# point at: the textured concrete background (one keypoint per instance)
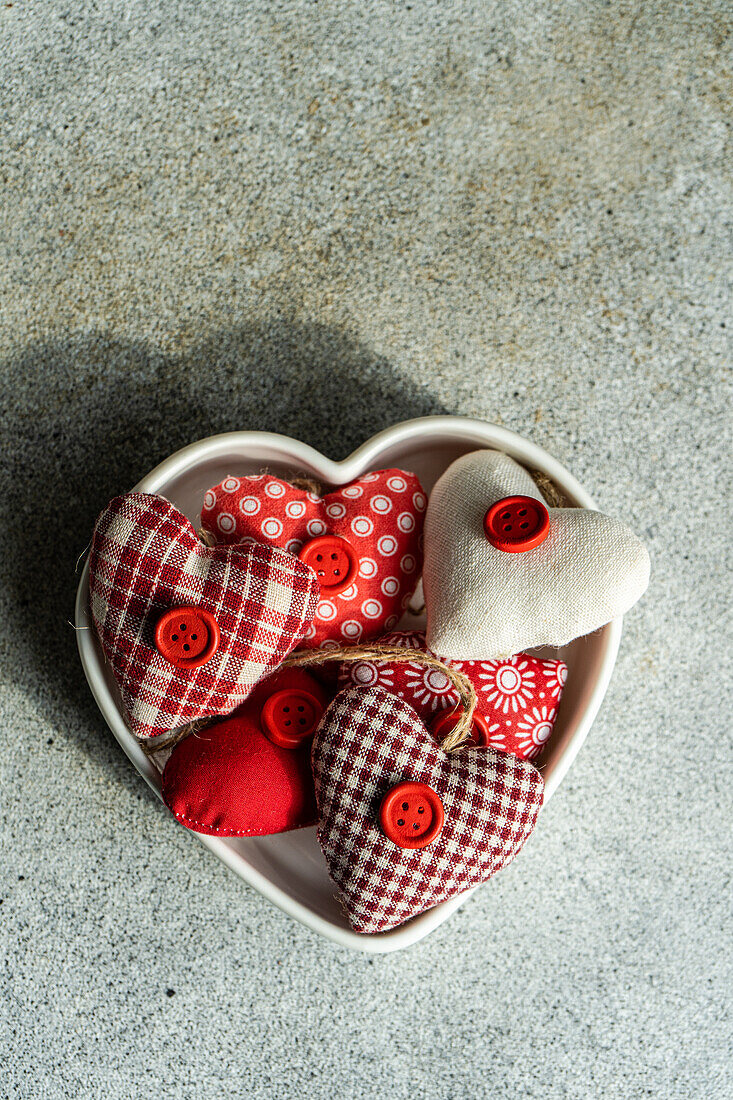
(323, 218)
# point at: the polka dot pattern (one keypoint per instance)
(381, 516)
(517, 696)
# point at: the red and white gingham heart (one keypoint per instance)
(147, 559)
(518, 697)
(368, 742)
(381, 516)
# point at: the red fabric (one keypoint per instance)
(381, 514)
(517, 696)
(230, 780)
(145, 559)
(368, 742)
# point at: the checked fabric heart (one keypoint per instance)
(504, 573)
(238, 777)
(363, 541)
(472, 810)
(518, 697)
(189, 630)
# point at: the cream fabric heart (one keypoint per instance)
(484, 603)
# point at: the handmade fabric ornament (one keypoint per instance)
(250, 774)
(363, 542)
(403, 825)
(189, 630)
(517, 696)
(504, 573)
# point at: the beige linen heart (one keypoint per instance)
(483, 602)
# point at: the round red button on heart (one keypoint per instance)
(188, 637)
(517, 524)
(447, 720)
(333, 560)
(289, 717)
(411, 815)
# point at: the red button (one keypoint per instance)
(516, 524)
(411, 815)
(333, 560)
(188, 637)
(290, 717)
(447, 720)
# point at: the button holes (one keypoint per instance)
(415, 825)
(400, 821)
(301, 709)
(287, 710)
(303, 721)
(174, 637)
(186, 647)
(321, 573)
(287, 722)
(405, 806)
(524, 525)
(523, 512)
(319, 557)
(337, 572)
(506, 515)
(421, 809)
(334, 557)
(194, 637)
(507, 526)
(183, 626)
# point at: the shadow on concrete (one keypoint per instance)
(86, 419)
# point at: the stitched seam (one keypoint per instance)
(243, 832)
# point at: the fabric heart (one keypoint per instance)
(560, 572)
(368, 743)
(363, 541)
(232, 779)
(244, 608)
(518, 697)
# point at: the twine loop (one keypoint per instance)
(304, 658)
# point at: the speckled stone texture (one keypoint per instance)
(322, 218)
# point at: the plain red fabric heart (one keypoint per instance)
(363, 541)
(242, 609)
(230, 779)
(518, 697)
(370, 742)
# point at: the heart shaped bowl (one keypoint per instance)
(289, 869)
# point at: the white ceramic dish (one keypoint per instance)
(289, 869)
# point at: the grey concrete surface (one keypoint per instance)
(323, 218)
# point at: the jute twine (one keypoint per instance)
(553, 494)
(307, 658)
(152, 745)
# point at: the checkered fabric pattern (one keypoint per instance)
(145, 559)
(369, 741)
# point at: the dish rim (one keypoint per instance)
(335, 472)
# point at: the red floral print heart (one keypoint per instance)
(478, 807)
(518, 697)
(252, 602)
(368, 535)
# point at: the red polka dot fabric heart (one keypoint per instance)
(471, 810)
(518, 697)
(242, 608)
(363, 542)
(232, 779)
